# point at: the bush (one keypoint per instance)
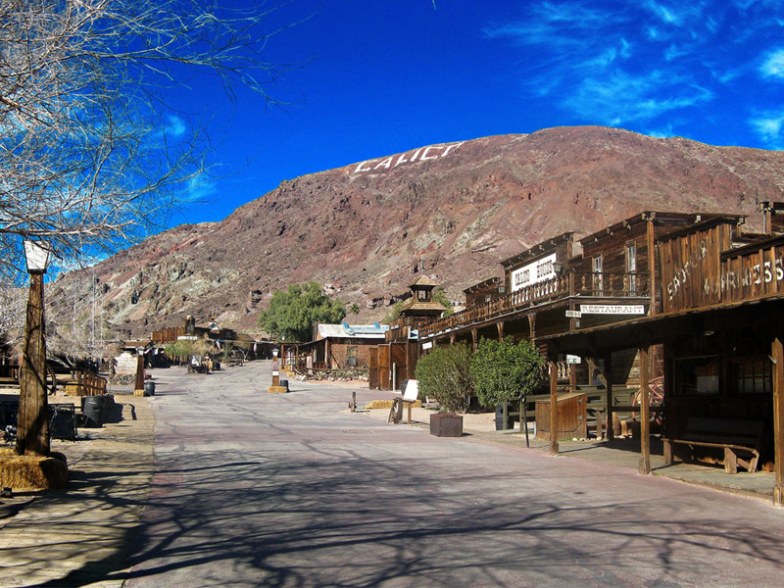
(444, 376)
(503, 371)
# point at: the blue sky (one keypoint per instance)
(368, 78)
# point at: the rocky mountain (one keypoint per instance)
(451, 211)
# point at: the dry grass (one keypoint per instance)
(32, 472)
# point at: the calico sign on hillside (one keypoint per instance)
(428, 153)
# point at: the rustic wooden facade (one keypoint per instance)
(711, 322)
(342, 346)
(484, 292)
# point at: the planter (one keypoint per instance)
(446, 425)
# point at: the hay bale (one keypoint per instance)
(378, 404)
(32, 472)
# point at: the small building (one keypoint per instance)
(339, 346)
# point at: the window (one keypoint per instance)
(751, 375)
(351, 357)
(598, 278)
(631, 265)
(696, 375)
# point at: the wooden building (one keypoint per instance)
(560, 285)
(394, 361)
(338, 346)
(484, 292)
(693, 297)
(720, 323)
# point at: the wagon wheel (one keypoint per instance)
(51, 381)
(396, 412)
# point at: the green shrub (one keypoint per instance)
(503, 370)
(444, 376)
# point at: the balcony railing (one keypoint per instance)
(599, 285)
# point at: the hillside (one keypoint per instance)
(451, 211)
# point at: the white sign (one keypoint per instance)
(533, 273)
(612, 309)
(428, 345)
(573, 359)
(573, 314)
(421, 154)
(411, 393)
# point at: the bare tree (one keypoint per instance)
(86, 160)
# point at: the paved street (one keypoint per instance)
(259, 489)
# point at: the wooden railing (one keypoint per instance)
(597, 285)
(86, 384)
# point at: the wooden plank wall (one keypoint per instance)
(752, 274)
(691, 268)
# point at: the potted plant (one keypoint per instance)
(444, 376)
(503, 371)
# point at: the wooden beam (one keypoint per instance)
(500, 326)
(651, 245)
(645, 420)
(778, 421)
(609, 394)
(474, 339)
(554, 407)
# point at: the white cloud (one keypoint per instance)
(200, 187)
(769, 126)
(624, 98)
(664, 13)
(174, 127)
(773, 66)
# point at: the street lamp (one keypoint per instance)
(33, 420)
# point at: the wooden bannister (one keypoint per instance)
(604, 285)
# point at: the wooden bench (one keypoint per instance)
(741, 441)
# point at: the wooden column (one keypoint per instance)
(138, 389)
(33, 419)
(553, 407)
(609, 392)
(645, 421)
(500, 326)
(778, 421)
(532, 326)
(651, 245)
(474, 339)
(327, 355)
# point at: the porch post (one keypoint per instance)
(553, 407)
(609, 393)
(474, 339)
(500, 326)
(778, 421)
(645, 421)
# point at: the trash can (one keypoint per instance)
(149, 388)
(499, 418)
(285, 384)
(93, 411)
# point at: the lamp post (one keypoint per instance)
(33, 420)
(138, 389)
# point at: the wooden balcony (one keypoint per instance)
(596, 286)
